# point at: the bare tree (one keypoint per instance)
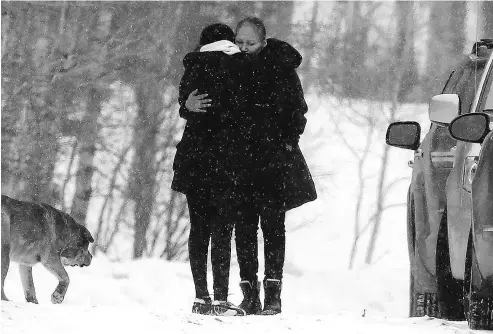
(487, 19)
(31, 105)
(446, 26)
(89, 128)
(149, 101)
(410, 78)
(278, 16)
(402, 52)
(361, 158)
(310, 48)
(458, 26)
(240, 9)
(87, 150)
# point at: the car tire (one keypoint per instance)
(480, 309)
(412, 297)
(420, 304)
(467, 277)
(450, 289)
(426, 304)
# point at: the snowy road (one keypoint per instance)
(154, 296)
(21, 318)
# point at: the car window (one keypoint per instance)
(464, 82)
(441, 141)
(487, 106)
(467, 88)
(450, 84)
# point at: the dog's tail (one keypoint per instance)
(5, 231)
(5, 241)
(6, 200)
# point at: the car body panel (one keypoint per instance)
(459, 203)
(439, 168)
(482, 194)
(458, 187)
(431, 168)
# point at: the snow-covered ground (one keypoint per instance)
(152, 296)
(320, 294)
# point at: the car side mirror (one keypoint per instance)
(444, 108)
(471, 128)
(404, 135)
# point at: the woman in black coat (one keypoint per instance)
(266, 163)
(217, 69)
(281, 178)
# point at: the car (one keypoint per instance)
(439, 200)
(475, 128)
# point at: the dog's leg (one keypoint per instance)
(26, 273)
(5, 236)
(55, 267)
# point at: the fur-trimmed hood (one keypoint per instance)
(279, 55)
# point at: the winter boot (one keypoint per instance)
(251, 297)
(225, 308)
(202, 306)
(272, 293)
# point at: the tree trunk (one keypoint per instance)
(487, 19)
(150, 104)
(354, 80)
(402, 62)
(458, 26)
(40, 140)
(87, 150)
(446, 34)
(240, 10)
(361, 190)
(308, 77)
(191, 23)
(278, 17)
(410, 77)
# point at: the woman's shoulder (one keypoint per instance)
(279, 55)
(197, 58)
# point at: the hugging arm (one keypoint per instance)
(185, 89)
(188, 97)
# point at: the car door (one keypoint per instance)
(433, 162)
(482, 190)
(458, 188)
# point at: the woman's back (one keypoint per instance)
(223, 77)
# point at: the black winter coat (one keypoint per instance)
(281, 179)
(222, 77)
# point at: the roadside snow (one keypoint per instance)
(153, 296)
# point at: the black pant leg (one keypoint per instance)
(222, 231)
(247, 242)
(201, 216)
(274, 232)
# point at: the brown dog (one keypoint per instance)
(37, 232)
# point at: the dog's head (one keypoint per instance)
(76, 251)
